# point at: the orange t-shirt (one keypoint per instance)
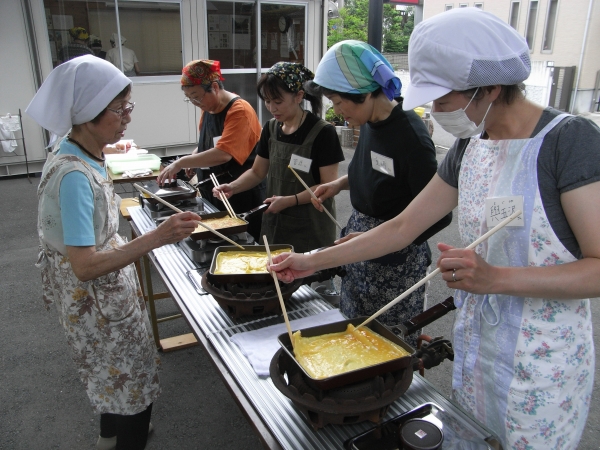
(241, 131)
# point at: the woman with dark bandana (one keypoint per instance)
(290, 217)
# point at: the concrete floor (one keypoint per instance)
(43, 404)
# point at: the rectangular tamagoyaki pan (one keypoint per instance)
(170, 192)
(354, 376)
(227, 231)
(243, 277)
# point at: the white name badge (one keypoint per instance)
(300, 163)
(215, 140)
(382, 164)
(499, 208)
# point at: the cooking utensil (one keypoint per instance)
(276, 281)
(354, 376)
(164, 202)
(436, 271)
(197, 235)
(408, 363)
(242, 277)
(180, 191)
(314, 196)
(223, 197)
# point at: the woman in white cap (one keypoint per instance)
(87, 268)
(394, 160)
(524, 348)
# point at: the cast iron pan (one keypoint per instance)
(173, 192)
(242, 277)
(204, 234)
(403, 363)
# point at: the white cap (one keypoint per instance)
(75, 92)
(115, 37)
(462, 49)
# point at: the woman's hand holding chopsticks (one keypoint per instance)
(464, 269)
(177, 227)
(291, 266)
(327, 190)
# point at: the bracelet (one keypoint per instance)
(296, 195)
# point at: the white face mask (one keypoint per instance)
(458, 123)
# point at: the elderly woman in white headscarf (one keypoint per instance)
(87, 268)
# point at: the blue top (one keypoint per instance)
(77, 200)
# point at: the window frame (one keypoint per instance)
(534, 22)
(463, 5)
(510, 14)
(448, 6)
(478, 5)
(544, 36)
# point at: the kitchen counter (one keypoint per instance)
(279, 424)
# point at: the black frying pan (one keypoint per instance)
(403, 363)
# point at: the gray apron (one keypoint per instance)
(301, 226)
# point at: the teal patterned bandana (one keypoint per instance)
(354, 67)
(294, 75)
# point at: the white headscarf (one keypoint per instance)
(74, 93)
(115, 38)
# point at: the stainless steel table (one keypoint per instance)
(279, 424)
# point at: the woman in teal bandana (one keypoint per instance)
(290, 218)
(394, 160)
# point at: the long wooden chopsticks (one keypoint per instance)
(436, 271)
(174, 208)
(314, 196)
(223, 197)
(285, 316)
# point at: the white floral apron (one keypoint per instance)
(523, 366)
(105, 319)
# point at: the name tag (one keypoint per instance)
(382, 164)
(300, 163)
(215, 140)
(499, 208)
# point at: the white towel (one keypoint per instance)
(8, 125)
(259, 346)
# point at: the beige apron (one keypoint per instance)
(105, 320)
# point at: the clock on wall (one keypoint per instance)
(284, 23)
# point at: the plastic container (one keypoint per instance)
(119, 163)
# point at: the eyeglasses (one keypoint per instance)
(195, 101)
(123, 111)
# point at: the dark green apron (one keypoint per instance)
(301, 226)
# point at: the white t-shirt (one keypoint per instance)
(129, 58)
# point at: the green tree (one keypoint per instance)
(353, 21)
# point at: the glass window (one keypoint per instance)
(448, 7)
(514, 15)
(150, 34)
(531, 20)
(282, 33)
(478, 5)
(232, 34)
(463, 5)
(550, 26)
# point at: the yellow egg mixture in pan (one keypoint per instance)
(335, 353)
(229, 263)
(220, 222)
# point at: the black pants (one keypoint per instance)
(131, 431)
